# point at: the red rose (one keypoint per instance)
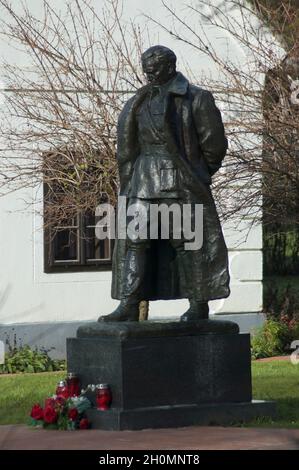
(60, 401)
(84, 423)
(49, 402)
(73, 414)
(50, 415)
(37, 412)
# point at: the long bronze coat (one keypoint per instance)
(195, 137)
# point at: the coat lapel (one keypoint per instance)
(178, 127)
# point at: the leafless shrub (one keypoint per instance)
(260, 100)
(59, 124)
(60, 115)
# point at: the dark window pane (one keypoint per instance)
(70, 222)
(96, 249)
(65, 245)
(89, 217)
(91, 220)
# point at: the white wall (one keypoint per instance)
(28, 295)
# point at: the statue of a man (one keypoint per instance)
(170, 142)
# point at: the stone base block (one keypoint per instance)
(167, 375)
(180, 416)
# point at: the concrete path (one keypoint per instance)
(191, 438)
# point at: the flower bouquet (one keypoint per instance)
(61, 413)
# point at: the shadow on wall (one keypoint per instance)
(51, 337)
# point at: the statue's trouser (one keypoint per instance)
(135, 270)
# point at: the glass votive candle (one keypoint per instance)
(73, 384)
(62, 389)
(103, 397)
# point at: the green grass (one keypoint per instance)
(277, 380)
(18, 392)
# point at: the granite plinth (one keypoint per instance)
(156, 329)
(166, 375)
(180, 416)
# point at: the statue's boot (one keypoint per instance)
(197, 311)
(124, 312)
(128, 309)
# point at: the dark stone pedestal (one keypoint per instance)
(190, 375)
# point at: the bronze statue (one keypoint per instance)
(170, 142)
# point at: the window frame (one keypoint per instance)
(78, 265)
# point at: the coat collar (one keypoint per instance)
(178, 86)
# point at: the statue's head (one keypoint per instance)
(159, 64)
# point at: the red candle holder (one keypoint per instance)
(103, 397)
(62, 389)
(73, 385)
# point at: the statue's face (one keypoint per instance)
(157, 70)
